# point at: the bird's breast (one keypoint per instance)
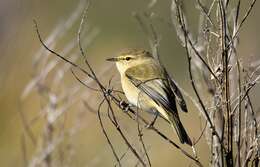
(131, 92)
(138, 98)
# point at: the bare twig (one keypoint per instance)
(106, 135)
(140, 134)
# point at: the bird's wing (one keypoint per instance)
(150, 80)
(178, 96)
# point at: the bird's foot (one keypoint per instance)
(124, 106)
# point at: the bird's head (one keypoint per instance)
(130, 58)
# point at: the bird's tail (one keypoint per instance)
(181, 132)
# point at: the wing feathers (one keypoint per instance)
(179, 98)
(156, 92)
(162, 86)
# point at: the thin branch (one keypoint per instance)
(140, 134)
(185, 35)
(183, 27)
(242, 22)
(58, 55)
(106, 135)
(201, 134)
(115, 123)
(150, 33)
(239, 111)
(205, 12)
(84, 16)
(77, 78)
(123, 156)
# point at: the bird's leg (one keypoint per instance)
(153, 121)
(124, 106)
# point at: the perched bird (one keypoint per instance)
(148, 86)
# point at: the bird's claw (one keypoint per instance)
(124, 106)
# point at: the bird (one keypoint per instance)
(148, 86)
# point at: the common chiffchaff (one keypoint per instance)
(148, 86)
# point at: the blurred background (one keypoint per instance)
(111, 27)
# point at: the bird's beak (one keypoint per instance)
(112, 59)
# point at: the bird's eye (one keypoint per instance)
(127, 58)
